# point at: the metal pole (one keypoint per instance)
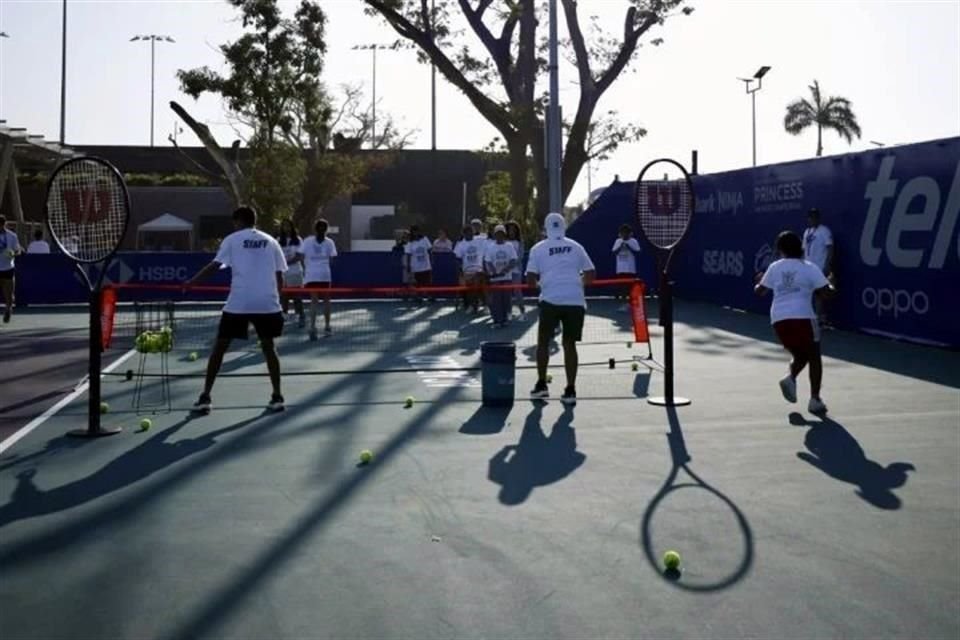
(373, 137)
(433, 88)
(63, 75)
(753, 96)
(153, 46)
(553, 118)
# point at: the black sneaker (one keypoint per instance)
(6, 316)
(569, 396)
(540, 391)
(203, 404)
(276, 403)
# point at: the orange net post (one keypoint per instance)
(108, 309)
(638, 312)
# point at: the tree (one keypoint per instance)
(832, 113)
(501, 83)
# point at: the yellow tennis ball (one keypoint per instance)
(671, 560)
(549, 378)
(409, 401)
(366, 456)
(104, 407)
(145, 424)
(192, 356)
(634, 367)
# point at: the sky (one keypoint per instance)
(897, 61)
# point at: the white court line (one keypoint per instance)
(70, 397)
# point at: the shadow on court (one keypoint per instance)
(833, 450)
(537, 459)
(486, 421)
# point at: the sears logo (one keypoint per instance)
(727, 263)
(763, 258)
(163, 274)
(895, 302)
(915, 212)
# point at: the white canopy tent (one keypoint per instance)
(166, 225)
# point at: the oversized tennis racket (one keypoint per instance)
(664, 201)
(699, 516)
(87, 211)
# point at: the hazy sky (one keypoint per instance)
(899, 63)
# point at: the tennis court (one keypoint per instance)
(532, 521)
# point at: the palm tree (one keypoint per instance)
(833, 113)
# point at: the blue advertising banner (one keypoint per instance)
(893, 214)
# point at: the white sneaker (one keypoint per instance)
(816, 406)
(788, 387)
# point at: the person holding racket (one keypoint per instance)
(9, 248)
(561, 268)
(316, 252)
(794, 282)
(257, 267)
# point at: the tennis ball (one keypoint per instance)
(634, 366)
(104, 407)
(671, 560)
(192, 356)
(145, 424)
(549, 378)
(366, 456)
(408, 402)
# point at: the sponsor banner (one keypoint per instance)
(893, 214)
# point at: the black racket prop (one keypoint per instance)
(664, 202)
(87, 213)
(710, 500)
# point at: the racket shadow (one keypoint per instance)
(680, 459)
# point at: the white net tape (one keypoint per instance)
(87, 209)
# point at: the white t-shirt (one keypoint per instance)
(560, 264)
(316, 257)
(8, 242)
(626, 254)
(496, 258)
(38, 246)
(470, 252)
(816, 242)
(254, 259)
(442, 245)
(290, 252)
(518, 248)
(793, 282)
(419, 252)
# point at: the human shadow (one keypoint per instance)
(537, 459)
(833, 450)
(486, 421)
(53, 447)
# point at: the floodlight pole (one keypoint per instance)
(758, 77)
(553, 119)
(63, 74)
(153, 38)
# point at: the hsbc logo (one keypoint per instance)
(916, 210)
(727, 263)
(163, 274)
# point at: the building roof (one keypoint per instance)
(166, 222)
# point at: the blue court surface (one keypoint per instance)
(534, 521)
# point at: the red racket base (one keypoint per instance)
(663, 401)
(94, 433)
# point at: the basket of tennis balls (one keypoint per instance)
(155, 341)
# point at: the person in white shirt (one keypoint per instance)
(9, 249)
(625, 249)
(38, 245)
(256, 266)
(794, 282)
(561, 268)
(317, 252)
(515, 238)
(416, 255)
(469, 253)
(499, 260)
(290, 241)
(477, 225)
(818, 249)
(442, 244)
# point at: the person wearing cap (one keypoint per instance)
(818, 249)
(477, 225)
(499, 259)
(561, 268)
(469, 254)
(9, 249)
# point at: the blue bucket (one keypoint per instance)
(497, 375)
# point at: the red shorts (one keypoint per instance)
(797, 334)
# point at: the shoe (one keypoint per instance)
(313, 335)
(788, 387)
(569, 396)
(276, 403)
(203, 404)
(816, 406)
(327, 332)
(540, 391)
(6, 316)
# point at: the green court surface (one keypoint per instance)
(536, 521)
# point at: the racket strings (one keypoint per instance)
(87, 210)
(664, 209)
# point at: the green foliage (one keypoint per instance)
(275, 177)
(497, 205)
(166, 180)
(834, 113)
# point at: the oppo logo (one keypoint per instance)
(895, 301)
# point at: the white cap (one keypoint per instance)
(476, 221)
(499, 228)
(555, 226)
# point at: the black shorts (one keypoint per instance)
(569, 316)
(317, 285)
(6, 274)
(235, 326)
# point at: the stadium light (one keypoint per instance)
(373, 48)
(758, 77)
(153, 38)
